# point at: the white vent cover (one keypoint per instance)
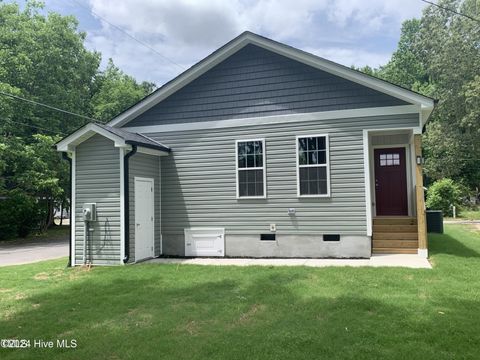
(205, 242)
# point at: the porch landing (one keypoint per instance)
(384, 260)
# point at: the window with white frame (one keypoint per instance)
(250, 168)
(313, 167)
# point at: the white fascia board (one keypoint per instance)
(285, 50)
(148, 151)
(85, 133)
(279, 119)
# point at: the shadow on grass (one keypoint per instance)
(259, 314)
(446, 244)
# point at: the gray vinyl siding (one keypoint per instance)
(97, 176)
(147, 166)
(257, 82)
(199, 183)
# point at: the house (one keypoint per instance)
(258, 150)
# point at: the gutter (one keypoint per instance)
(66, 157)
(127, 202)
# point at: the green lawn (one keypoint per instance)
(200, 312)
(54, 233)
(470, 214)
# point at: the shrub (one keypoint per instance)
(19, 214)
(443, 194)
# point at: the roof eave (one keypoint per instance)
(250, 38)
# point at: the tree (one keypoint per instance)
(116, 91)
(439, 56)
(43, 58)
(448, 45)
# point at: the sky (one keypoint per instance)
(350, 32)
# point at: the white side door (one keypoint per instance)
(205, 242)
(144, 218)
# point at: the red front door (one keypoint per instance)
(390, 182)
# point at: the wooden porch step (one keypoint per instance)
(395, 236)
(394, 220)
(397, 244)
(394, 251)
(395, 228)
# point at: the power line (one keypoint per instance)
(34, 126)
(451, 10)
(46, 106)
(130, 36)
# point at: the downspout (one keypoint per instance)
(66, 157)
(127, 202)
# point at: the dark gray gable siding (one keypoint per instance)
(257, 82)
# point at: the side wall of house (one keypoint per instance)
(97, 180)
(147, 166)
(199, 188)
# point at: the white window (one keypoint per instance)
(250, 164)
(313, 172)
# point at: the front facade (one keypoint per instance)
(259, 150)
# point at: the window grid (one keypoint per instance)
(312, 154)
(250, 168)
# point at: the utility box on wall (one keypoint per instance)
(89, 212)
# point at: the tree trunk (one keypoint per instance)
(61, 212)
(49, 217)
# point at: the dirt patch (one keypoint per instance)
(4, 290)
(250, 313)
(20, 296)
(42, 276)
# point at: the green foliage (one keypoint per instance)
(32, 171)
(19, 213)
(443, 194)
(116, 92)
(43, 58)
(439, 56)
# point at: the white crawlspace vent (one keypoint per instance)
(205, 242)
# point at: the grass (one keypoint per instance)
(54, 233)
(470, 214)
(200, 312)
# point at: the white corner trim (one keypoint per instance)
(159, 197)
(72, 207)
(85, 133)
(290, 52)
(122, 205)
(263, 168)
(327, 165)
(279, 119)
(423, 253)
(368, 193)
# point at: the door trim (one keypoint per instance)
(152, 181)
(408, 169)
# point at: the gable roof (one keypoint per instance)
(120, 137)
(425, 103)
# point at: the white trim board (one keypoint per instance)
(368, 170)
(85, 133)
(280, 119)
(246, 38)
(72, 208)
